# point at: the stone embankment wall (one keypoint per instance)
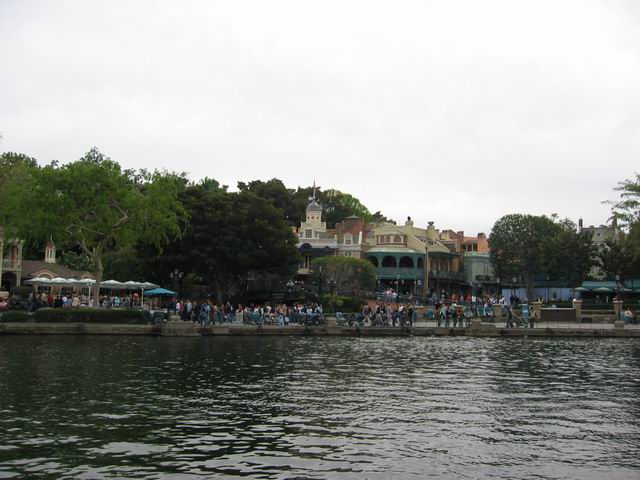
(477, 329)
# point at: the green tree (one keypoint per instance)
(620, 257)
(518, 244)
(348, 273)
(628, 207)
(233, 234)
(336, 205)
(568, 254)
(97, 206)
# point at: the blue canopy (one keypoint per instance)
(159, 292)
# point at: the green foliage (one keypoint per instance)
(229, 236)
(23, 291)
(77, 261)
(567, 255)
(621, 257)
(94, 204)
(526, 245)
(336, 205)
(14, 316)
(628, 207)
(87, 315)
(348, 273)
(341, 303)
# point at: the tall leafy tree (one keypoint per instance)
(348, 273)
(233, 234)
(517, 243)
(627, 208)
(620, 256)
(567, 254)
(96, 205)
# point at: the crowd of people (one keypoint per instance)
(207, 313)
(36, 301)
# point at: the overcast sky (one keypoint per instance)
(453, 111)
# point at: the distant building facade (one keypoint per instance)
(14, 270)
(314, 239)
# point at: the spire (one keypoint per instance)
(312, 198)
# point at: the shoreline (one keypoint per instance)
(180, 329)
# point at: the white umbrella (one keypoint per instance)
(39, 281)
(146, 286)
(131, 285)
(113, 284)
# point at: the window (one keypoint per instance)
(348, 239)
(309, 233)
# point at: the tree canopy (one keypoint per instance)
(620, 256)
(336, 205)
(348, 273)
(524, 246)
(95, 204)
(627, 208)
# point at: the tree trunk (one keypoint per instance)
(528, 285)
(216, 285)
(97, 259)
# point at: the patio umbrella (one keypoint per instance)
(603, 290)
(39, 281)
(111, 284)
(160, 292)
(142, 286)
(581, 289)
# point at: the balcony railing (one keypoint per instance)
(446, 275)
(418, 273)
(403, 273)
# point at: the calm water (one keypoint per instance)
(109, 407)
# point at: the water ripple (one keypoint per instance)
(295, 407)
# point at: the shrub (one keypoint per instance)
(22, 291)
(342, 303)
(88, 315)
(14, 316)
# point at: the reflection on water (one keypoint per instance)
(296, 407)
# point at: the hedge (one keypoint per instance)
(342, 303)
(88, 315)
(13, 316)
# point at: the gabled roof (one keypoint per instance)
(314, 206)
(32, 267)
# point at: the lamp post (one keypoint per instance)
(513, 284)
(398, 286)
(319, 280)
(176, 276)
(618, 288)
(548, 278)
(499, 292)
(332, 286)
